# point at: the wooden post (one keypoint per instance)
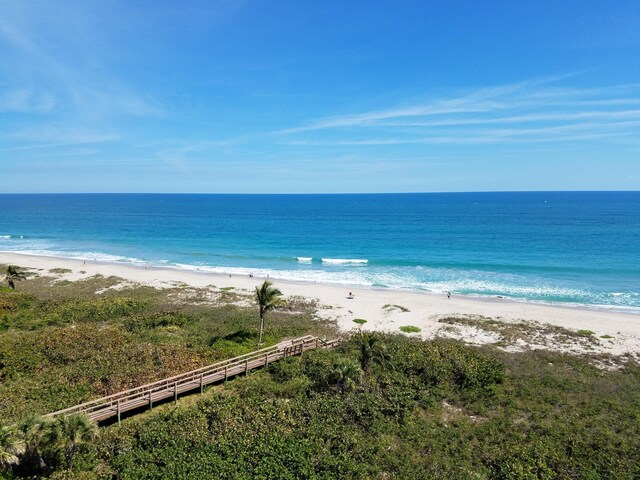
(226, 375)
(201, 383)
(175, 392)
(246, 368)
(118, 410)
(150, 402)
(266, 359)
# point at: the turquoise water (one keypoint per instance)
(568, 247)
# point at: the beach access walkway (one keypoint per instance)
(147, 395)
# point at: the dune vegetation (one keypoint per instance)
(378, 406)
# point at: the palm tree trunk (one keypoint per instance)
(261, 328)
(71, 453)
(42, 465)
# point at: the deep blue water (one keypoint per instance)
(576, 247)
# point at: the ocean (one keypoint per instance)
(555, 247)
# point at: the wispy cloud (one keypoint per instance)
(539, 117)
(24, 100)
(63, 77)
(52, 134)
(58, 83)
(537, 110)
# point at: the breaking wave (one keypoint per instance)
(345, 261)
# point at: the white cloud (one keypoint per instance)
(84, 86)
(24, 100)
(56, 135)
(536, 110)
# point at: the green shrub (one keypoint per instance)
(410, 329)
(464, 366)
(156, 320)
(585, 333)
(223, 349)
(432, 409)
(60, 270)
(286, 369)
(99, 309)
(14, 300)
(318, 365)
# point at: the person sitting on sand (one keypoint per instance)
(351, 296)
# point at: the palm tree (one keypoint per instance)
(14, 274)
(345, 375)
(268, 297)
(11, 446)
(372, 351)
(35, 432)
(68, 432)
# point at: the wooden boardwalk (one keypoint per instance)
(115, 405)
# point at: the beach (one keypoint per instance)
(387, 310)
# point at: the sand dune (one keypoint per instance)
(422, 310)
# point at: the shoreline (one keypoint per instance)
(501, 299)
(424, 309)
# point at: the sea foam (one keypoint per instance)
(88, 256)
(345, 261)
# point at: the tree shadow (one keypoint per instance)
(240, 336)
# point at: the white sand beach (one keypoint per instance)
(424, 310)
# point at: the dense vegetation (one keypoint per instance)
(376, 407)
(61, 344)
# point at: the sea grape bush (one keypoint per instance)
(378, 406)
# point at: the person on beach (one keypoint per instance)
(350, 296)
(449, 295)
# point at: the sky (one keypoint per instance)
(319, 97)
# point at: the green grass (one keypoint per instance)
(227, 289)
(410, 329)
(359, 321)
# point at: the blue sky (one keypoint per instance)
(331, 96)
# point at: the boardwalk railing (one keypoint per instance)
(146, 395)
